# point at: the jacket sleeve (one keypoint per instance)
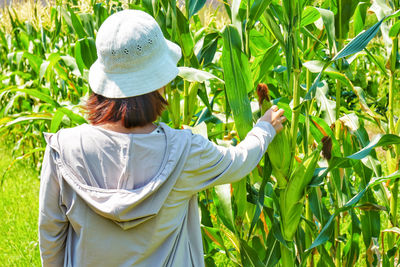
(209, 164)
(53, 223)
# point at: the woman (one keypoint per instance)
(121, 191)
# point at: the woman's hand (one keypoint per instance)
(275, 117)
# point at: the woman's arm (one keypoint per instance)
(53, 223)
(211, 165)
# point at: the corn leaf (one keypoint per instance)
(257, 9)
(85, 53)
(249, 255)
(222, 198)
(195, 75)
(328, 227)
(193, 6)
(237, 80)
(310, 15)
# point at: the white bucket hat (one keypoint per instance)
(134, 58)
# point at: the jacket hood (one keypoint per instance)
(126, 207)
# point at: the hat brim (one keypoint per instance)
(150, 78)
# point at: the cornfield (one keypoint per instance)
(325, 193)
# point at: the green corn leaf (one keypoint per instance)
(237, 80)
(100, 14)
(205, 212)
(48, 66)
(85, 53)
(311, 91)
(195, 75)
(328, 19)
(215, 235)
(56, 19)
(236, 21)
(28, 119)
(193, 6)
(274, 27)
(77, 25)
(184, 37)
(317, 206)
(327, 106)
(34, 61)
(379, 140)
(394, 30)
(258, 245)
(316, 66)
(326, 231)
(3, 40)
(249, 255)
(34, 93)
(374, 181)
(70, 62)
(359, 42)
(359, 17)
(370, 219)
(310, 15)
(210, 45)
(343, 15)
(273, 252)
(241, 204)
(352, 249)
(257, 9)
(56, 121)
(357, 90)
(87, 23)
(78, 119)
(293, 196)
(267, 170)
(266, 63)
(222, 198)
(379, 63)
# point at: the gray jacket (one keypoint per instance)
(113, 199)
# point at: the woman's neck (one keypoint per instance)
(120, 128)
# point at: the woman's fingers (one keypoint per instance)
(279, 113)
(275, 116)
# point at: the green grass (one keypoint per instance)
(18, 213)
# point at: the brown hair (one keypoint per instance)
(133, 111)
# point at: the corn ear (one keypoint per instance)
(280, 156)
(292, 197)
(279, 149)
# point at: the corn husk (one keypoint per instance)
(279, 149)
(280, 156)
(292, 196)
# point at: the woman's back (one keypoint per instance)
(156, 224)
(112, 160)
(111, 188)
